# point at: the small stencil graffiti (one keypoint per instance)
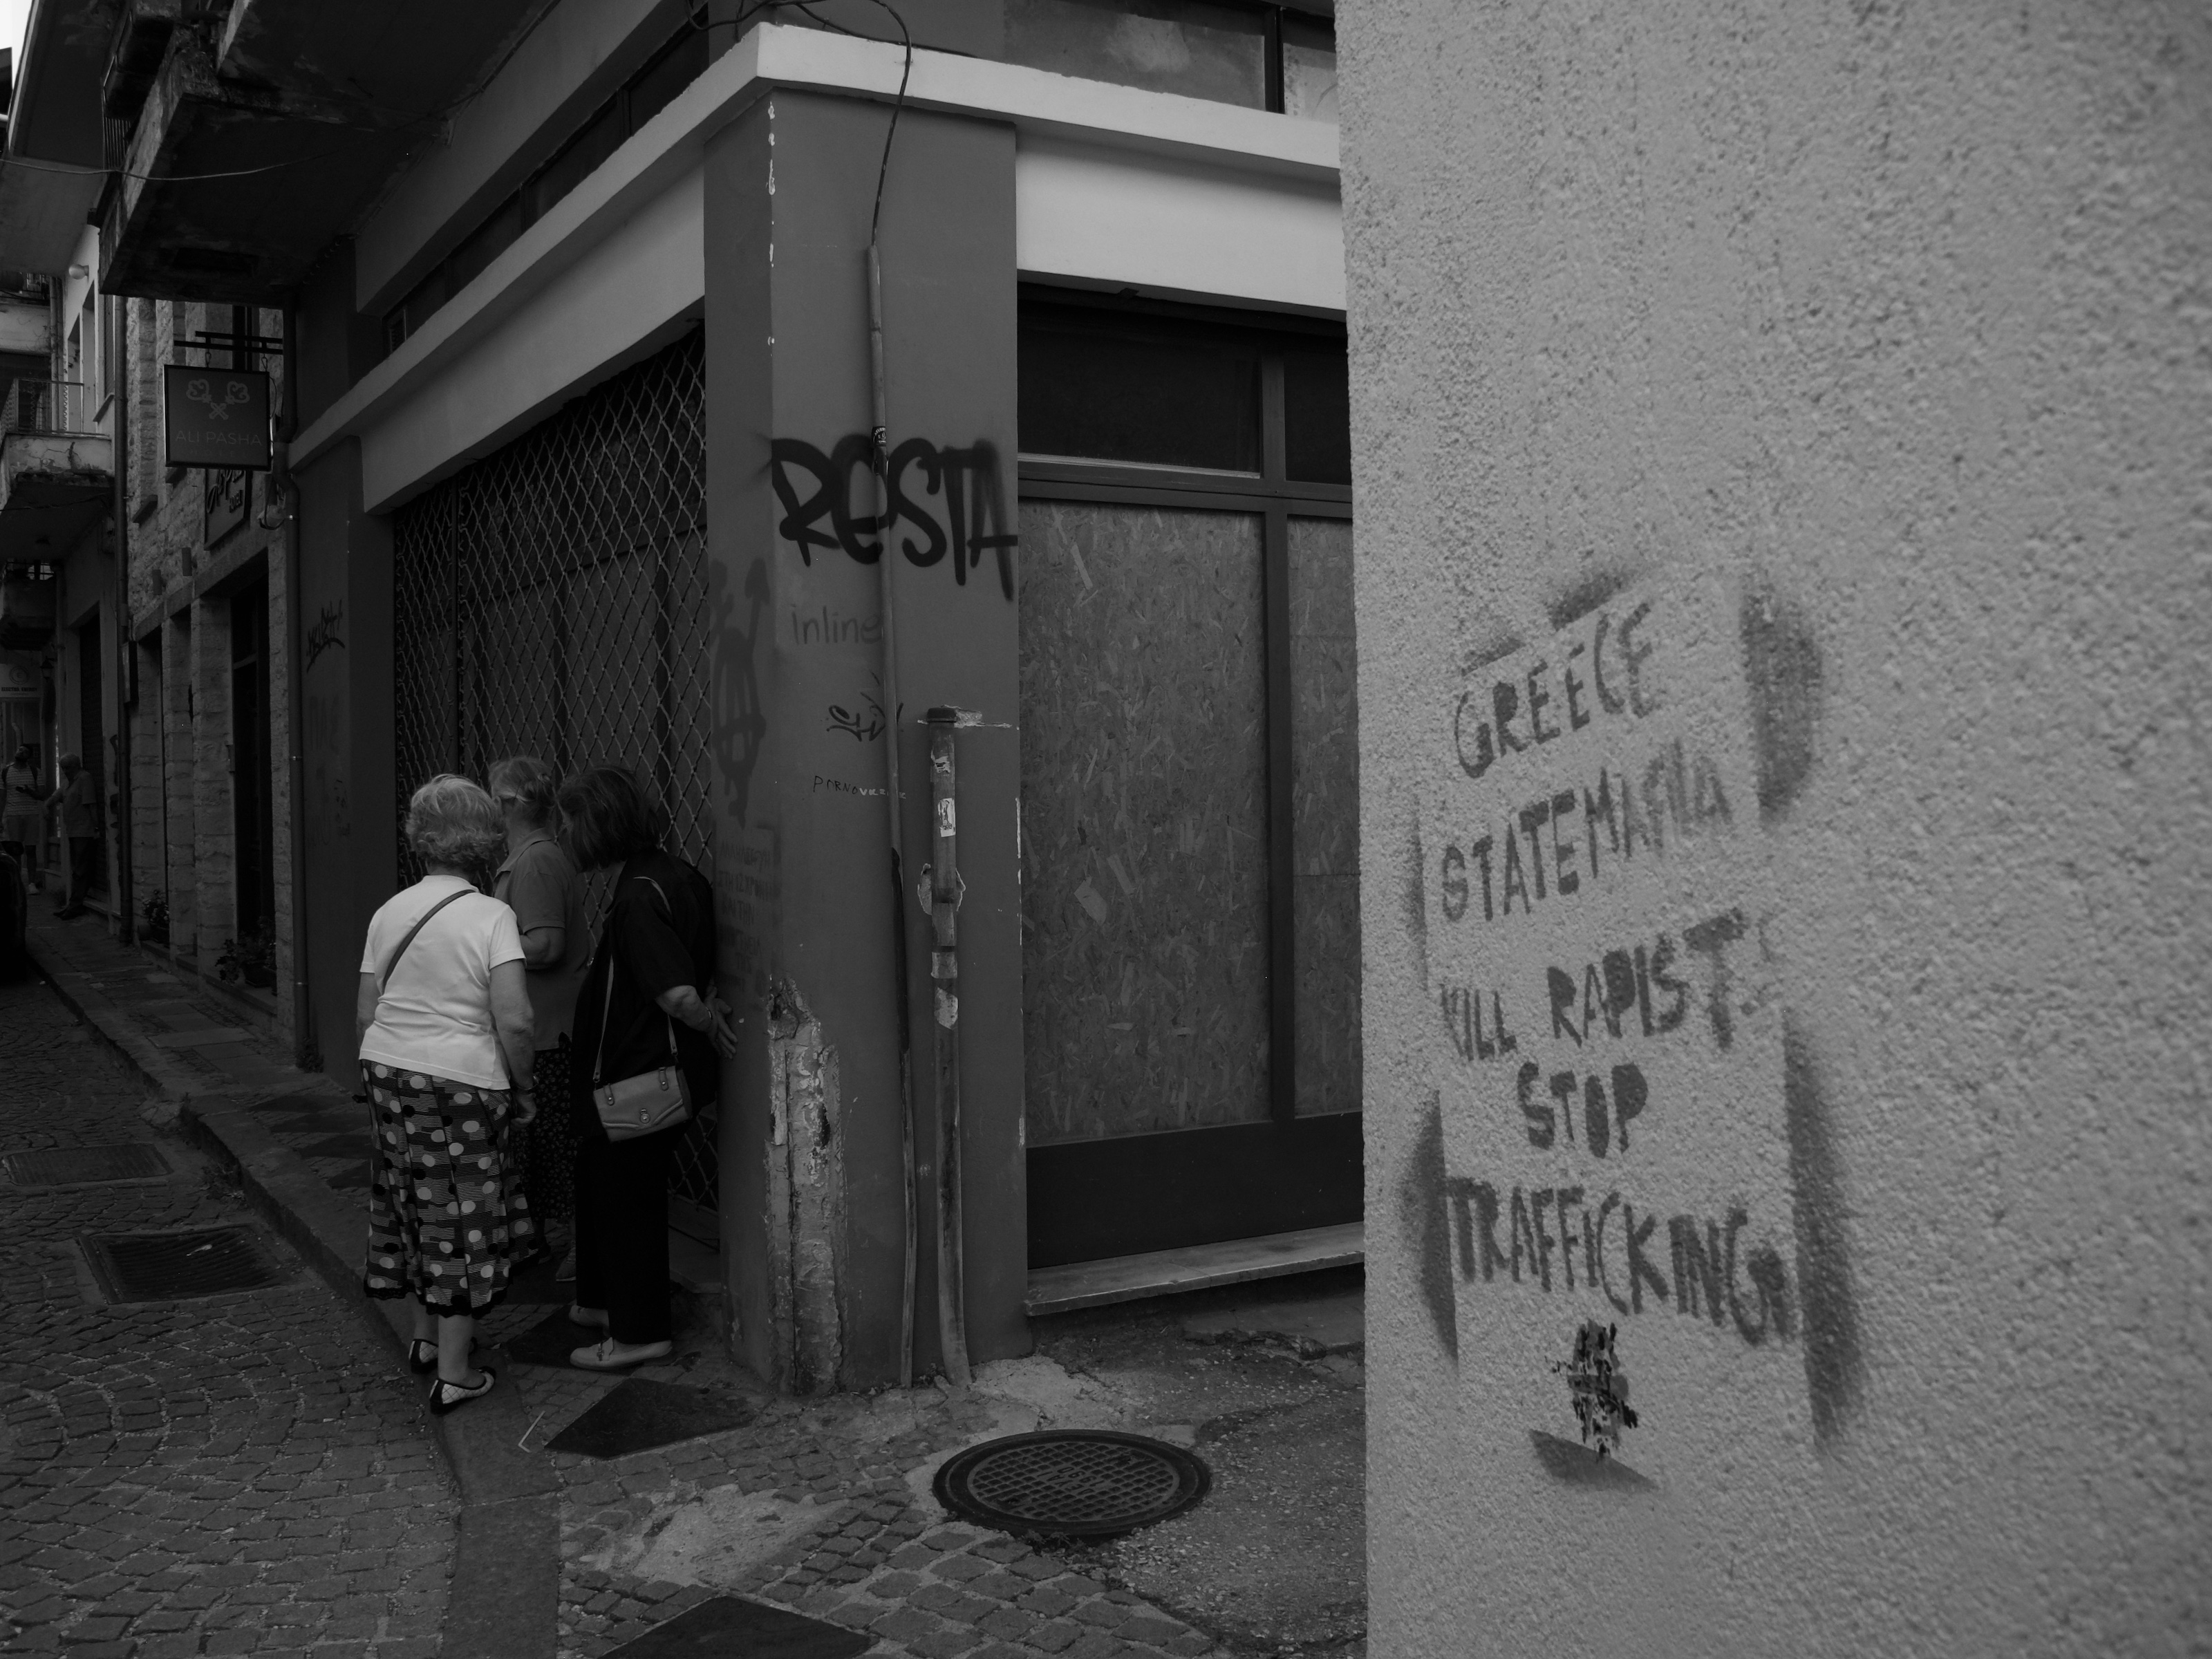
(1599, 1387)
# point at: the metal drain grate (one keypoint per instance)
(174, 1267)
(1072, 1483)
(84, 1166)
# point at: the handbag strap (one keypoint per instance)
(391, 966)
(606, 1008)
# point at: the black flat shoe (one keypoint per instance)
(448, 1397)
(422, 1356)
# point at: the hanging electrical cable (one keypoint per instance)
(879, 459)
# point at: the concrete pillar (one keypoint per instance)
(149, 856)
(351, 817)
(279, 782)
(812, 1192)
(177, 770)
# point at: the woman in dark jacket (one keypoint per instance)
(650, 984)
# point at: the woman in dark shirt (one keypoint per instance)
(658, 944)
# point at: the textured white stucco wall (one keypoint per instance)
(1869, 347)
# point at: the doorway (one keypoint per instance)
(1189, 779)
(92, 743)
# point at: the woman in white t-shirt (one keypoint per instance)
(443, 1017)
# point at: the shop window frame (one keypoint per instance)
(1276, 499)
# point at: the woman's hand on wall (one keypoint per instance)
(683, 1002)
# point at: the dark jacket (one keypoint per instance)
(659, 934)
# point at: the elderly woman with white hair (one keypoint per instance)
(444, 1022)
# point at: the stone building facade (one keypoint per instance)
(210, 726)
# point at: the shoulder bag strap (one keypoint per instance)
(392, 964)
(606, 1008)
(675, 1055)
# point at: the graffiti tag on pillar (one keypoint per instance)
(947, 506)
(327, 634)
(740, 724)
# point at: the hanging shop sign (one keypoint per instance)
(215, 416)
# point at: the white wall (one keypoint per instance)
(1869, 347)
(1115, 186)
(1176, 225)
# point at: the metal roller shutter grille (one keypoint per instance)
(551, 599)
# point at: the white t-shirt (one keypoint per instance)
(435, 1015)
(19, 805)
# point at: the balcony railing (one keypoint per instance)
(35, 405)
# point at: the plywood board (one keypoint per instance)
(1324, 816)
(1144, 820)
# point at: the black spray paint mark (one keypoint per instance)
(1427, 1229)
(326, 635)
(965, 482)
(1782, 663)
(1492, 651)
(865, 723)
(1583, 596)
(1834, 1367)
(1578, 1466)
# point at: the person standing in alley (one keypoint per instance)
(646, 999)
(24, 800)
(80, 833)
(444, 1024)
(538, 882)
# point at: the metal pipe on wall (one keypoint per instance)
(115, 371)
(307, 1051)
(894, 805)
(944, 894)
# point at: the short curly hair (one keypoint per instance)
(530, 781)
(452, 824)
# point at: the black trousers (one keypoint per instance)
(85, 863)
(622, 1233)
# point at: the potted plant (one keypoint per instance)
(154, 918)
(252, 959)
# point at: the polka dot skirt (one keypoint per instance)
(447, 1218)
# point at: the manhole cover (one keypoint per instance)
(82, 1166)
(170, 1266)
(1072, 1483)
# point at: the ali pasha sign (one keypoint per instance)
(215, 416)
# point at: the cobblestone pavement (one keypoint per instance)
(241, 1474)
(823, 1506)
(818, 1509)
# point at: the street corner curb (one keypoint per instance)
(171, 1083)
(318, 1223)
(480, 1444)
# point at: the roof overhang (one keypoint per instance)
(52, 174)
(53, 485)
(252, 151)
